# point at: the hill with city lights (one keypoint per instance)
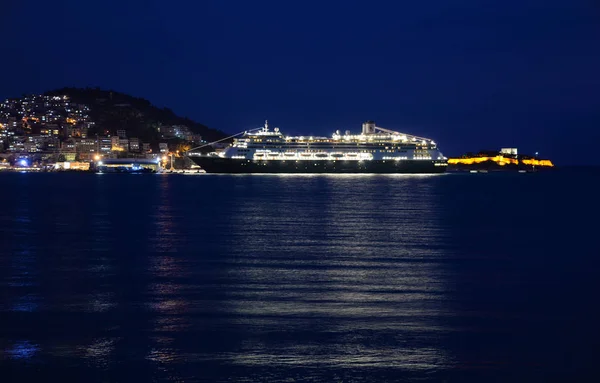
(111, 111)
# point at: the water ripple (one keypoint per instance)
(297, 278)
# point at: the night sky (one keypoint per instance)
(471, 74)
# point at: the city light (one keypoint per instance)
(23, 163)
(97, 157)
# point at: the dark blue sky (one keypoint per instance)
(471, 74)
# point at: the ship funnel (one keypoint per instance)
(368, 127)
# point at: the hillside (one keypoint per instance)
(112, 110)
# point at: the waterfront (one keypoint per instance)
(353, 278)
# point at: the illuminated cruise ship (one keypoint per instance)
(374, 150)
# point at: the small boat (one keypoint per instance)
(473, 171)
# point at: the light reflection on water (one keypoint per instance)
(99, 352)
(344, 267)
(167, 297)
(23, 350)
(23, 281)
(26, 303)
(354, 278)
(324, 175)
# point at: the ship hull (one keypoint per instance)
(213, 164)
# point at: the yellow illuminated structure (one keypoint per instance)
(500, 160)
(538, 162)
(72, 165)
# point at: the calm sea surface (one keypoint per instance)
(297, 278)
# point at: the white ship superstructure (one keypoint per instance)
(373, 144)
(375, 150)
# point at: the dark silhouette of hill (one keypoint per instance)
(112, 110)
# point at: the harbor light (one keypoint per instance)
(97, 157)
(164, 158)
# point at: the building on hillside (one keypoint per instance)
(85, 145)
(134, 144)
(53, 130)
(146, 147)
(122, 133)
(114, 141)
(119, 144)
(17, 144)
(68, 146)
(104, 145)
(124, 144)
(79, 132)
(30, 147)
(36, 143)
(509, 151)
(67, 150)
(195, 138)
(52, 144)
(69, 156)
(163, 147)
(167, 131)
